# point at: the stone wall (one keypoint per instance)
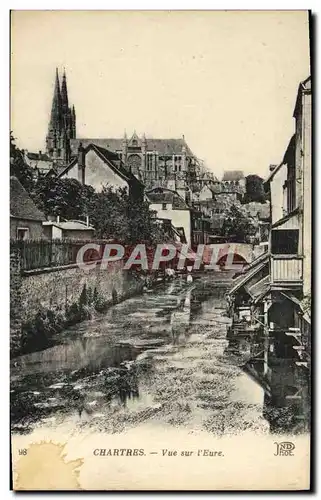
(58, 290)
(61, 287)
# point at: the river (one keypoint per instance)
(159, 358)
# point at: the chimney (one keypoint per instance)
(40, 152)
(58, 218)
(87, 221)
(81, 164)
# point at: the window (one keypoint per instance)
(285, 241)
(164, 206)
(291, 194)
(149, 161)
(22, 233)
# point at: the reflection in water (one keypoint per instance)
(158, 355)
(180, 319)
(286, 392)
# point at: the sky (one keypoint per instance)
(227, 81)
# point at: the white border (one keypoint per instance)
(4, 198)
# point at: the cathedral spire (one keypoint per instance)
(73, 117)
(62, 125)
(64, 93)
(55, 117)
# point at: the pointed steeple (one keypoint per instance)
(55, 117)
(62, 125)
(73, 117)
(134, 141)
(64, 93)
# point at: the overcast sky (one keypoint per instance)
(226, 80)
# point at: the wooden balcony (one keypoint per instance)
(286, 270)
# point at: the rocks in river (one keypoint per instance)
(59, 385)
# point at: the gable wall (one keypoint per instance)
(97, 173)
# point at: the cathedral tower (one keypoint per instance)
(62, 125)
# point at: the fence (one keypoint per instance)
(39, 254)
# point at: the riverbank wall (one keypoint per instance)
(44, 301)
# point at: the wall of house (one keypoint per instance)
(277, 193)
(97, 173)
(35, 228)
(178, 218)
(205, 194)
(78, 235)
(307, 189)
(56, 233)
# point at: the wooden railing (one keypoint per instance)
(286, 269)
(39, 254)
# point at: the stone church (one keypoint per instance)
(155, 162)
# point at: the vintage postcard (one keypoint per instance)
(160, 250)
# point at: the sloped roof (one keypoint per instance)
(259, 288)
(290, 296)
(38, 156)
(110, 158)
(163, 146)
(304, 87)
(233, 175)
(244, 278)
(21, 205)
(113, 160)
(264, 257)
(70, 225)
(164, 195)
(290, 152)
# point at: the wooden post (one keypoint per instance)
(266, 339)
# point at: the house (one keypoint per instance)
(151, 160)
(233, 181)
(97, 166)
(269, 302)
(40, 162)
(206, 193)
(170, 205)
(25, 218)
(289, 186)
(71, 229)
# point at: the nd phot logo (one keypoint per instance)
(285, 449)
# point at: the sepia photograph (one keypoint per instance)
(160, 250)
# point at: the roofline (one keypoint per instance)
(272, 174)
(110, 163)
(171, 191)
(58, 225)
(250, 273)
(301, 89)
(102, 157)
(27, 218)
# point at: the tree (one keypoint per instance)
(107, 213)
(18, 166)
(114, 214)
(254, 189)
(238, 225)
(67, 198)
